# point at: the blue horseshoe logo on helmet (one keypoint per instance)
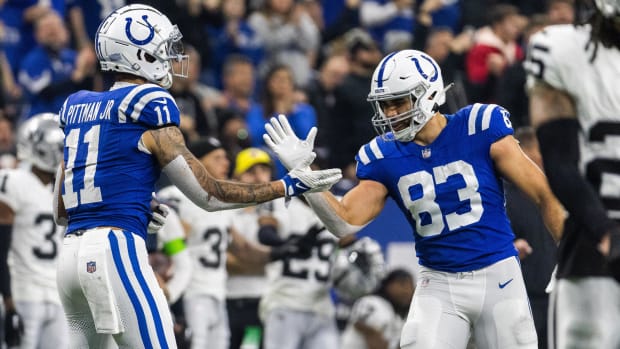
(424, 75)
(134, 40)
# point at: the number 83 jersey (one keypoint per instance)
(109, 175)
(449, 190)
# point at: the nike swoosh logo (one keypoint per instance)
(160, 101)
(301, 186)
(504, 284)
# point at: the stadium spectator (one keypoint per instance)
(233, 37)
(510, 91)
(279, 98)
(289, 37)
(390, 22)
(561, 11)
(320, 94)
(351, 110)
(495, 49)
(51, 71)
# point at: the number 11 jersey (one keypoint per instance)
(109, 174)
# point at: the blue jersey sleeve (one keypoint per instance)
(490, 121)
(366, 158)
(151, 105)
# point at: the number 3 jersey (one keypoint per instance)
(35, 237)
(449, 190)
(109, 175)
(560, 56)
(207, 242)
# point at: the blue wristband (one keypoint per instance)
(293, 186)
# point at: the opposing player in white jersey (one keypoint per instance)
(296, 309)
(377, 319)
(117, 143)
(171, 241)
(210, 235)
(575, 105)
(444, 172)
(33, 239)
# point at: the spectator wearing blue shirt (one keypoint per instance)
(18, 17)
(279, 97)
(390, 22)
(50, 72)
(235, 36)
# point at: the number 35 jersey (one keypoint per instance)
(109, 175)
(560, 56)
(35, 237)
(449, 190)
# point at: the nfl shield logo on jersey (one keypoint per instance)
(426, 153)
(91, 266)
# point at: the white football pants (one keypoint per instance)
(585, 314)
(110, 293)
(207, 318)
(45, 326)
(293, 329)
(490, 303)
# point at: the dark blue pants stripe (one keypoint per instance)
(133, 297)
(133, 257)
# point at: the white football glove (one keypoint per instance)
(304, 180)
(283, 141)
(159, 212)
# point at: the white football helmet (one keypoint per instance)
(138, 39)
(406, 74)
(40, 142)
(358, 269)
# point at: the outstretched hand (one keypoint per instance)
(302, 179)
(283, 141)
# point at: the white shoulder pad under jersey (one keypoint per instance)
(36, 239)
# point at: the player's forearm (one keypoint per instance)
(554, 215)
(191, 177)
(332, 213)
(559, 146)
(182, 275)
(58, 206)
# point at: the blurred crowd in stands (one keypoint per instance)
(252, 59)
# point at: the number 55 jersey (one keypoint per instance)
(449, 190)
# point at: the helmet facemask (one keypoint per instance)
(174, 54)
(403, 126)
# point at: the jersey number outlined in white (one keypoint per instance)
(427, 204)
(89, 193)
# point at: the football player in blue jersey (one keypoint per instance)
(445, 173)
(116, 145)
